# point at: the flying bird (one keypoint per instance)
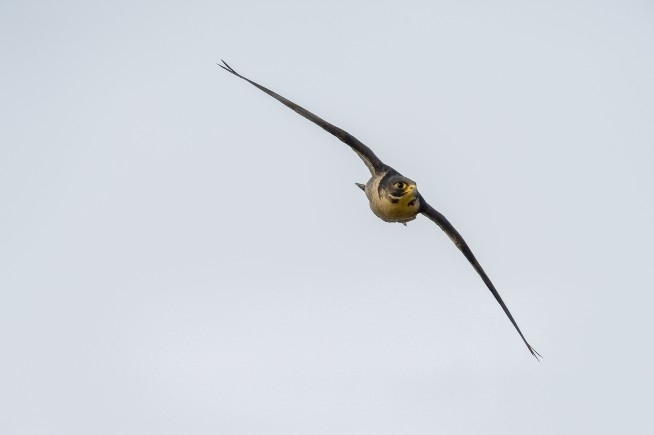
(392, 196)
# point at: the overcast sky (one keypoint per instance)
(181, 254)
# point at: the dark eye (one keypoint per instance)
(400, 185)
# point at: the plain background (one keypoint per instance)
(181, 254)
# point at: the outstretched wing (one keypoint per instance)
(446, 226)
(369, 158)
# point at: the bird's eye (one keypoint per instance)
(400, 185)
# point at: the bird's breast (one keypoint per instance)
(404, 210)
(391, 210)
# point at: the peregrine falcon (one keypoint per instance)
(392, 196)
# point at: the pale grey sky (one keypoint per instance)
(181, 254)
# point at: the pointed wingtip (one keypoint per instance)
(535, 353)
(226, 67)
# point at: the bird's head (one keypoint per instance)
(399, 187)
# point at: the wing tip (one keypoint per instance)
(535, 353)
(226, 67)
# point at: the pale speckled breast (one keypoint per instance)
(386, 210)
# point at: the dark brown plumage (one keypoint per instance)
(388, 200)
